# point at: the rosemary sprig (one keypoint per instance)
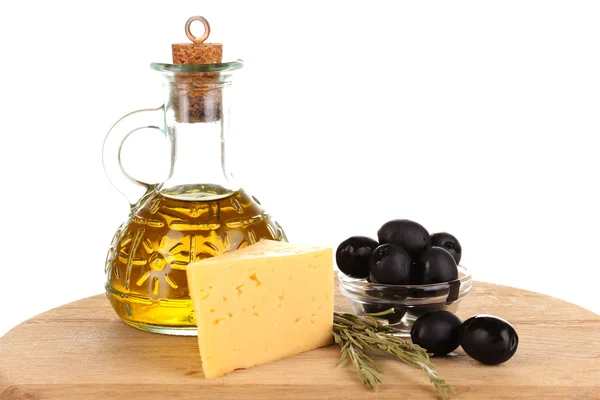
(356, 335)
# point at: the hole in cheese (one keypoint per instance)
(255, 279)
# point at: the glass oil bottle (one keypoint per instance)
(198, 212)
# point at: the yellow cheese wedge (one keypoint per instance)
(261, 303)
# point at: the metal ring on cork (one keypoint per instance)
(201, 39)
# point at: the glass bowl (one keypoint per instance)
(409, 301)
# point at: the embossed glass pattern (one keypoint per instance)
(198, 212)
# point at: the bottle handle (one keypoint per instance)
(130, 187)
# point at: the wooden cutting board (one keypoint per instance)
(82, 351)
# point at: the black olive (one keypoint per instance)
(390, 265)
(354, 254)
(409, 235)
(435, 265)
(449, 243)
(438, 332)
(419, 311)
(392, 318)
(488, 339)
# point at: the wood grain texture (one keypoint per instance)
(83, 351)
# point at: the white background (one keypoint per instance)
(478, 118)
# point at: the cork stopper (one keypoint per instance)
(197, 52)
(197, 96)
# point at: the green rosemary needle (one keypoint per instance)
(356, 335)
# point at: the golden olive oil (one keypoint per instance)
(146, 263)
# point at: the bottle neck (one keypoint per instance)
(197, 127)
